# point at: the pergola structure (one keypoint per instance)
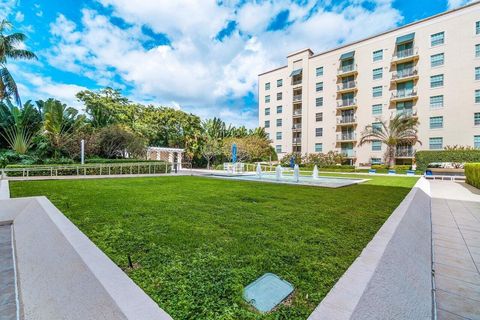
(172, 155)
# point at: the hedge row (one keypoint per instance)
(424, 158)
(87, 164)
(472, 172)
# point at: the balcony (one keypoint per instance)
(404, 95)
(404, 153)
(347, 137)
(297, 127)
(347, 70)
(297, 98)
(297, 112)
(346, 120)
(405, 75)
(406, 112)
(405, 55)
(347, 87)
(297, 140)
(348, 153)
(344, 104)
(296, 82)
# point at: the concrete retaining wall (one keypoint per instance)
(392, 278)
(4, 190)
(63, 275)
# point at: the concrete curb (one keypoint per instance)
(391, 279)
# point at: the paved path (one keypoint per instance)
(8, 302)
(456, 246)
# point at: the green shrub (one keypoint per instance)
(472, 172)
(396, 167)
(423, 158)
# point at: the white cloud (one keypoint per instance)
(452, 4)
(195, 70)
(6, 8)
(19, 17)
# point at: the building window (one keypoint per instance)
(437, 39)
(476, 142)
(267, 99)
(476, 119)
(377, 91)
(279, 109)
(436, 122)
(377, 126)
(268, 135)
(437, 60)
(267, 123)
(319, 102)
(318, 147)
(318, 132)
(319, 86)
(436, 81)
(477, 96)
(267, 86)
(477, 73)
(279, 96)
(319, 71)
(376, 109)
(435, 143)
(436, 101)
(377, 73)
(377, 55)
(279, 136)
(477, 27)
(279, 83)
(477, 51)
(377, 145)
(279, 122)
(319, 116)
(267, 111)
(376, 160)
(278, 148)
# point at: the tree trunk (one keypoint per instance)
(208, 164)
(391, 156)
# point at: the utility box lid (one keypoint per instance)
(267, 292)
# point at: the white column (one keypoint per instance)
(179, 157)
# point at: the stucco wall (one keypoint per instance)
(392, 278)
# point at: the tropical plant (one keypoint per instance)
(10, 49)
(400, 130)
(210, 148)
(117, 141)
(18, 125)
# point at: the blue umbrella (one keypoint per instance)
(234, 153)
(292, 162)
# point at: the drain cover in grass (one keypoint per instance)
(267, 292)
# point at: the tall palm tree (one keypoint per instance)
(9, 49)
(400, 130)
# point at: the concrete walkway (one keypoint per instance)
(456, 247)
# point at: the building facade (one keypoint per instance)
(429, 69)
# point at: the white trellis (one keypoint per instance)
(166, 154)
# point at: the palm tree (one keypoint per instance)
(9, 49)
(400, 130)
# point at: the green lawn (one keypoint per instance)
(196, 242)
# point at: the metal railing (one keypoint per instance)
(297, 126)
(405, 153)
(346, 136)
(346, 102)
(406, 112)
(348, 153)
(405, 73)
(296, 82)
(297, 140)
(404, 94)
(405, 53)
(297, 112)
(346, 85)
(346, 119)
(92, 170)
(346, 69)
(297, 97)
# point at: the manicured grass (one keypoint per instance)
(196, 242)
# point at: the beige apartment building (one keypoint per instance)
(429, 69)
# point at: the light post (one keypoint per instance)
(82, 151)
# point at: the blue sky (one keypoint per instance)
(202, 56)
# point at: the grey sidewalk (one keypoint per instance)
(456, 246)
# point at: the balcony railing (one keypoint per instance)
(297, 112)
(346, 119)
(296, 82)
(346, 103)
(346, 136)
(347, 85)
(400, 94)
(297, 140)
(297, 97)
(405, 73)
(347, 69)
(297, 126)
(405, 153)
(405, 53)
(348, 153)
(406, 112)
